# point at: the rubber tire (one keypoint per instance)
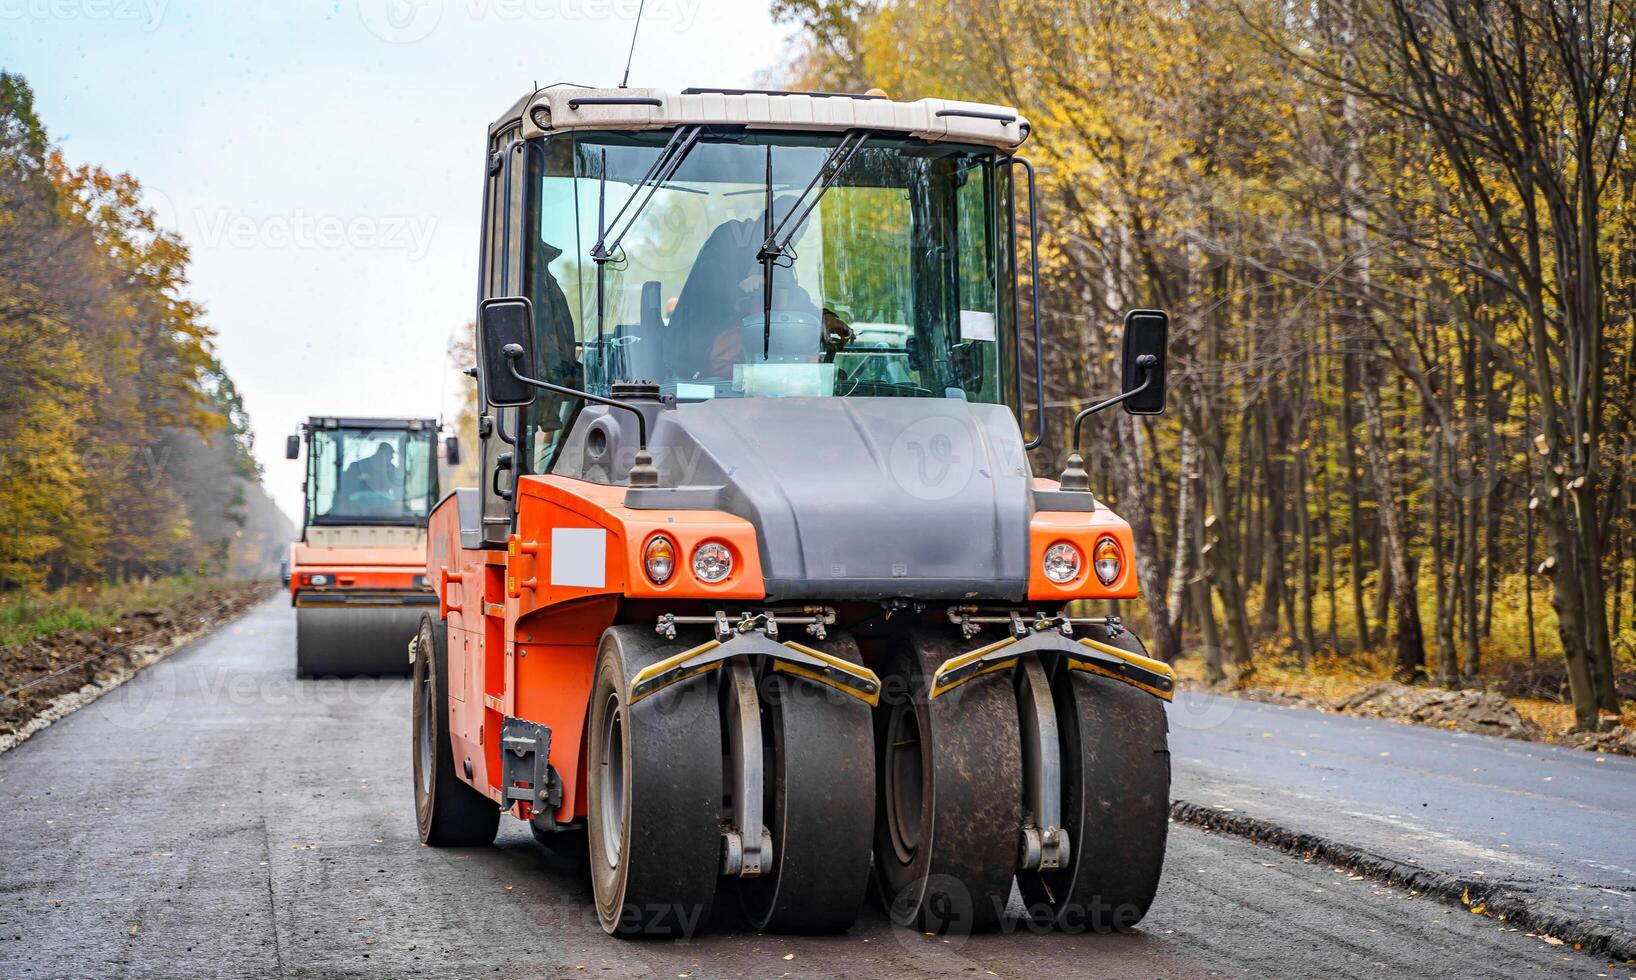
(354, 641)
(819, 803)
(958, 878)
(449, 812)
(1115, 803)
(669, 836)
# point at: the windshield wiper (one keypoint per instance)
(779, 238)
(664, 167)
(777, 244)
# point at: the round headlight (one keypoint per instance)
(712, 562)
(659, 559)
(319, 580)
(1062, 561)
(1108, 560)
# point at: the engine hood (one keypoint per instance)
(850, 497)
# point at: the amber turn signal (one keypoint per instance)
(659, 559)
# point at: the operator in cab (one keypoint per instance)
(723, 293)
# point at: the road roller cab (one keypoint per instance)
(760, 588)
(357, 576)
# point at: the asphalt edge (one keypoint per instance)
(1472, 894)
(66, 704)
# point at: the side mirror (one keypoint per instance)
(451, 451)
(501, 323)
(1147, 333)
(292, 447)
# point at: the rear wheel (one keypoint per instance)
(655, 793)
(819, 803)
(1115, 803)
(949, 773)
(450, 813)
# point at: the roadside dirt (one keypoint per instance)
(40, 677)
(1481, 712)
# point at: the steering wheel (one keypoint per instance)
(790, 335)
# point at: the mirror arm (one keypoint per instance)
(1145, 362)
(643, 473)
(1074, 476)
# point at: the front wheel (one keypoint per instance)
(1115, 803)
(655, 793)
(819, 802)
(949, 772)
(450, 813)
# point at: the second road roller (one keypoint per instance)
(357, 576)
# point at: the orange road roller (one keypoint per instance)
(759, 596)
(357, 576)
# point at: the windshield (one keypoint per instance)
(370, 476)
(893, 282)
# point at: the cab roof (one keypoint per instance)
(345, 422)
(566, 108)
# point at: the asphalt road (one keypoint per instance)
(216, 817)
(1558, 824)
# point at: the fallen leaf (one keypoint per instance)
(791, 956)
(1554, 941)
(134, 928)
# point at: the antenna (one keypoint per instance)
(623, 82)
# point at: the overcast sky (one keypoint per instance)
(322, 159)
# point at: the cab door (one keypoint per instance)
(501, 275)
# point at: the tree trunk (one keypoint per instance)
(1187, 506)
(1354, 508)
(1133, 507)
(1442, 610)
(1409, 642)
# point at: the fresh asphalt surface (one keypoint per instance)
(1556, 823)
(216, 817)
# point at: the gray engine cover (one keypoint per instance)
(866, 498)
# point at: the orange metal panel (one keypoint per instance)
(356, 568)
(1082, 530)
(548, 502)
(555, 663)
(306, 554)
(344, 577)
